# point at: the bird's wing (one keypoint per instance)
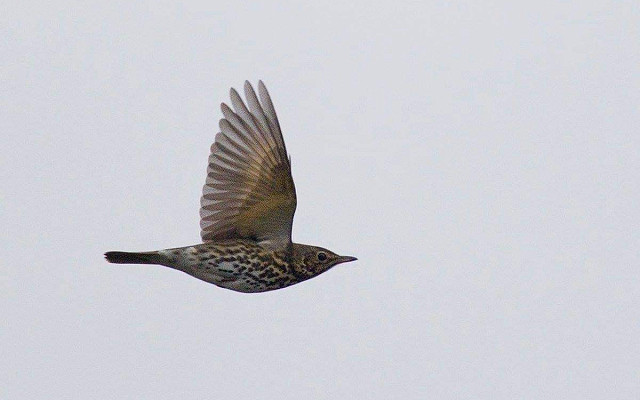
(249, 191)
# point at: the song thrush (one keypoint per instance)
(247, 208)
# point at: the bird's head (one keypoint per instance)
(316, 260)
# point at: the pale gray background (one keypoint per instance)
(480, 158)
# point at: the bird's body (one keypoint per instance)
(246, 211)
(238, 264)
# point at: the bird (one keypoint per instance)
(246, 209)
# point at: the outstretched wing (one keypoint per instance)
(249, 191)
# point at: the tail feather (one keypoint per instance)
(121, 257)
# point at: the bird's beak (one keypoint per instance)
(344, 259)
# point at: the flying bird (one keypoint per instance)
(247, 206)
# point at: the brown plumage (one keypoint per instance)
(247, 208)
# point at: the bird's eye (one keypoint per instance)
(322, 256)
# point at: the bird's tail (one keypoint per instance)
(121, 257)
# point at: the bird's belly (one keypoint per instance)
(230, 272)
(242, 278)
(224, 274)
(241, 282)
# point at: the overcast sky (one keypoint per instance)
(481, 159)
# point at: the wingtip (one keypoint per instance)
(225, 108)
(249, 92)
